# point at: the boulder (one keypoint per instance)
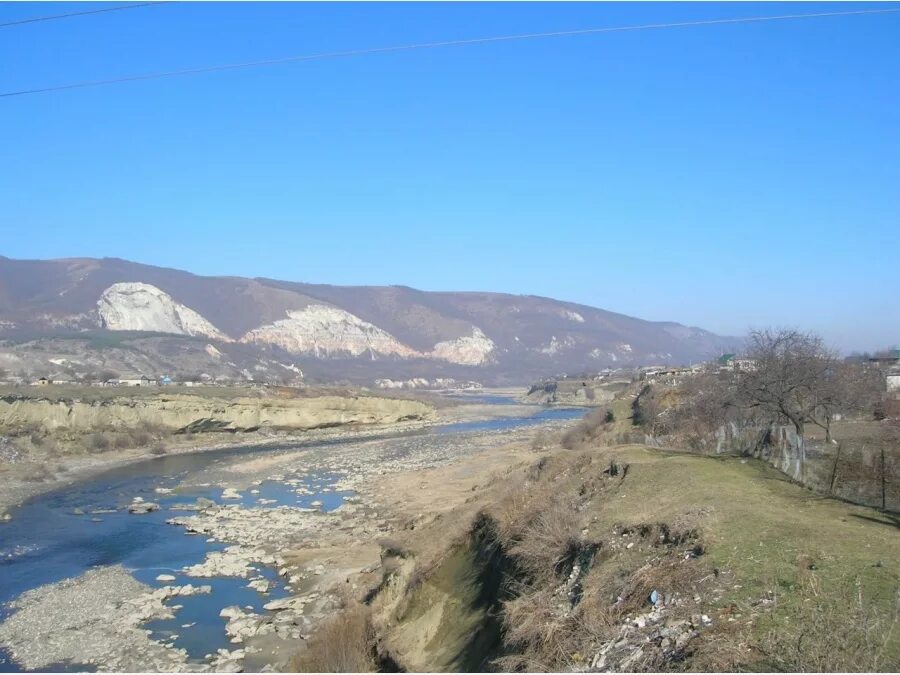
(142, 507)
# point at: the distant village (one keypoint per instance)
(887, 361)
(142, 381)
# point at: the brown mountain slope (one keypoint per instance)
(371, 331)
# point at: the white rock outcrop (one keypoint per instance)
(474, 350)
(325, 331)
(139, 306)
(555, 346)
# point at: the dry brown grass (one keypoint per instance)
(344, 644)
(590, 429)
(36, 472)
(721, 537)
(806, 641)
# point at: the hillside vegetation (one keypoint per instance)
(630, 559)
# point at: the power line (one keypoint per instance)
(430, 45)
(90, 11)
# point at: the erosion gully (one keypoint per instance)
(62, 534)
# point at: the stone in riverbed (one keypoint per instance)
(203, 503)
(231, 493)
(165, 577)
(142, 507)
(260, 585)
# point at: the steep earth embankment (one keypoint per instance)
(633, 559)
(183, 412)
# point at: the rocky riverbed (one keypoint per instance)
(288, 526)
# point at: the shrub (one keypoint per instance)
(588, 429)
(344, 644)
(36, 473)
(542, 440)
(141, 438)
(158, 448)
(99, 442)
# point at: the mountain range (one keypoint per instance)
(110, 313)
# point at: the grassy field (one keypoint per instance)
(819, 560)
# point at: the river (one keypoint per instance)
(61, 534)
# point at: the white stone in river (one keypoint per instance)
(259, 585)
(230, 493)
(315, 503)
(165, 577)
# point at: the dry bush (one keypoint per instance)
(158, 448)
(141, 438)
(542, 440)
(99, 442)
(589, 429)
(344, 644)
(539, 634)
(36, 472)
(546, 539)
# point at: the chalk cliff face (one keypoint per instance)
(142, 307)
(473, 350)
(327, 331)
(324, 332)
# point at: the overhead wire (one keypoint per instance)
(432, 45)
(53, 17)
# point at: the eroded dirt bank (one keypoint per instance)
(184, 412)
(50, 441)
(628, 559)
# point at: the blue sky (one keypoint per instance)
(729, 176)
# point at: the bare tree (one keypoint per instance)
(789, 376)
(790, 379)
(795, 378)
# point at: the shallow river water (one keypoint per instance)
(63, 533)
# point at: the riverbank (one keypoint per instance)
(20, 482)
(298, 527)
(58, 435)
(621, 559)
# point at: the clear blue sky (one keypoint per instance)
(726, 176)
